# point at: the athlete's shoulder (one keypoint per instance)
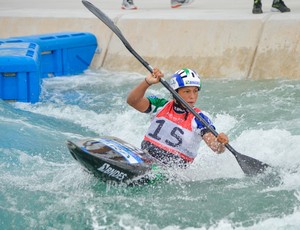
(156, 104)
(157, 101)
(201, 126)
(197, 110)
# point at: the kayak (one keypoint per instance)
(113, 159)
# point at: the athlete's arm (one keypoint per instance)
(217, 144)
(136, 98)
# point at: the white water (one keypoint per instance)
(33, 140)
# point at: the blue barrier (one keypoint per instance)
(62, 54)
(20, 72)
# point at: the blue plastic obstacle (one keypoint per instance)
(62, 54)
(56, 54)
(20, 72)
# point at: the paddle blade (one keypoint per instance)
(110, 24)
(250, 166)
(99, 14)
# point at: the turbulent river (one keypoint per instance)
(43, 187)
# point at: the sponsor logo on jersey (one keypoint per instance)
(110, 171)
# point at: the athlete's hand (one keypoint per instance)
(154, 77)
(222, 138)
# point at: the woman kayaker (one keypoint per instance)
(174, 134)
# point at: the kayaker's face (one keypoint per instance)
(189, 94)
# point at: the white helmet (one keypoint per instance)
(185, 77)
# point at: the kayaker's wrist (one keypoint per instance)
(147, 82)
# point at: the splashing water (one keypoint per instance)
(43, 187)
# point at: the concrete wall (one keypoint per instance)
(234, 46)
(278, 49)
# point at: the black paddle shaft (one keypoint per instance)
(250, 166)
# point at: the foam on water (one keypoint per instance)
(42, 185)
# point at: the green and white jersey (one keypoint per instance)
(156, 104)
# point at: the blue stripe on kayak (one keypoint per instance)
(85, 150)
(119, 148)
(125, 152)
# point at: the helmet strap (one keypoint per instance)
(179, 108)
